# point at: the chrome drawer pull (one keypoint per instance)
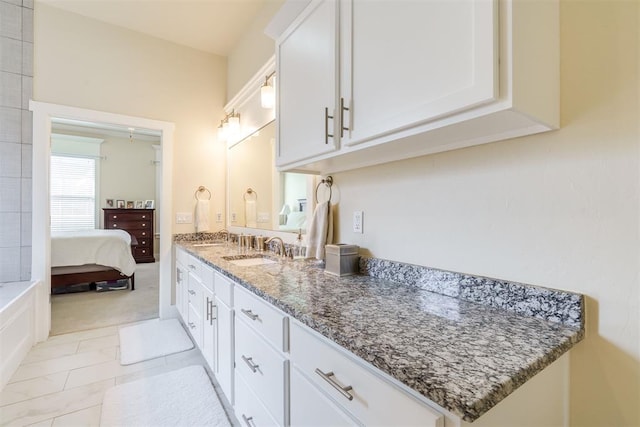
(249, 314)
(249, 362)
(191, 266)
(115, 216)
(247, 421)
(115, 225)
(192, 325)
(343, 390)
(192, 292)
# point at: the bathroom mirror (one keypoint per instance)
(258, 195)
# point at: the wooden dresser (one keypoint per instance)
(139, 223)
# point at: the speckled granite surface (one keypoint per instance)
(460, 354)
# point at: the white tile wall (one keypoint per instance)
(26, 194)
(10, 264)
(11, 129)
(27, 160)
(27, 91)
(10, 159)
(16, 89)
(10, 89)
(9, 229)
(27, 25)
(10, 55)
(9, 194)
(10, 20)
(27, 127)
(27, 58)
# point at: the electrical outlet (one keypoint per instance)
(219, 217)
(184, 218)
(357, 221)
(233, 217)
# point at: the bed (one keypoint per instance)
(92, 256)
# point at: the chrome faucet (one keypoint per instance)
(279, 240)
(225, 233)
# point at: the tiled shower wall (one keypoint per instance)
(16, 83)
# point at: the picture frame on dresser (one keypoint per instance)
(139, 204)
(149, 204)
(109, 203)
(130, 204)
(120, 204)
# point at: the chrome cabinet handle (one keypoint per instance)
(249, 314)
(192, 292)
(249, 362)
(327, 135)
(342, 110)
(192, 325)
(247, 421)
(191, 266)
(208, 309)
(342, 390)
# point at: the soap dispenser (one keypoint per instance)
(298, 250)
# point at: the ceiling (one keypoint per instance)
(213, 26)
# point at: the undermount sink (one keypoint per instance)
(200, 245)
(249, 260)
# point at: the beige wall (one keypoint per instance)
(128, 172)
(85, 63)
(560, 209)
(252, 51)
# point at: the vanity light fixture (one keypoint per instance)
(229, 127)
(268, 93)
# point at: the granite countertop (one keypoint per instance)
(465, 356)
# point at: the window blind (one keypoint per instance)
(73, 193)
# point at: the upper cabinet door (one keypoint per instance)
(408, 62)
(306, 84)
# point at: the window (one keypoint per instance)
(73, 193)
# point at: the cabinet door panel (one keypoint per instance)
(307, 84)
(407, 62)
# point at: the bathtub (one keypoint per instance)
(17, 325)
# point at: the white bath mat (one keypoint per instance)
(155, 338)
(179, 398)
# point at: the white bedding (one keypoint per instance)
(105, 247)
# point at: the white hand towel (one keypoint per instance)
(202, 216)
(320, 231)
(250, 213)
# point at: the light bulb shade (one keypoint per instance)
(234, 124)
(267, 96)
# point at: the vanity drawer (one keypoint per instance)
(224, 289)
(310, 407)
(194, 323)
(194, 294)
(265, 319)
(263, 369)
(331, 368)
(201, 270)
(248, 408)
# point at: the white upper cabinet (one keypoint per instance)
(306, 74)
(407, 62)
(413, 78)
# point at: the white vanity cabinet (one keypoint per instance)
(406, 78)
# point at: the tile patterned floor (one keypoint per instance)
(62, 381)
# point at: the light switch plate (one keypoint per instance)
(219, 217)
(357, 221)
(184, 218)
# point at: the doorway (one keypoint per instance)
(43, 114)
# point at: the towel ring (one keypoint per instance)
(328, 181)
(202, 189)
(250, 191)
